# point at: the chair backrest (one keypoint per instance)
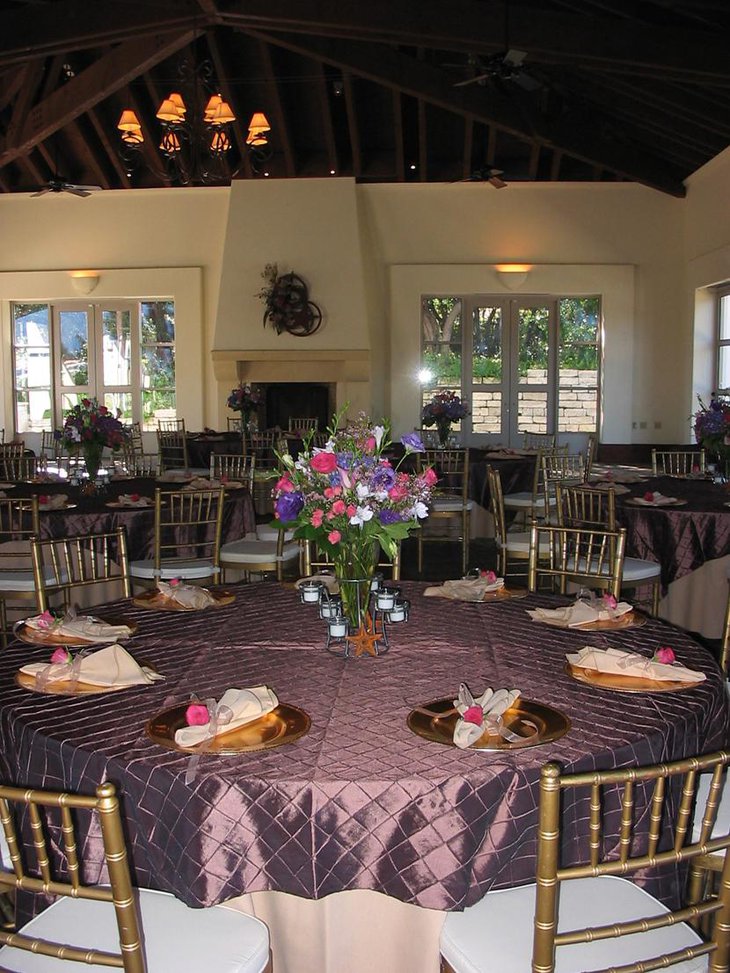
(233, 466)
(236, 424)
(18, 468)
(629, 812)
(306, 423)
(261, 445)
(188, 525)
(452, 469)
(590, 556)
(673, 462)
(172, 445)
(63, 565)
(539, 440)
(581, 506)
(725, 647)
(50, 447)
(496, 508)
(51, 819)
(137, 463)
(171, 425)
(561, 468)
(315, 559)
(590, 454)
(135, 438)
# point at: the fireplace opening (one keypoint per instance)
(285, 400)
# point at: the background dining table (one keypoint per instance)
(360, 802)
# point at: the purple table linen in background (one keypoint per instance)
(360, 802)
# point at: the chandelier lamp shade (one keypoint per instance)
(195, 134)
(257, 140)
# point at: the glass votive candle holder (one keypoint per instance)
(330, 607)
(399, 611)
(385, 599)
(337, 627)
(377, 581)
(310, 592)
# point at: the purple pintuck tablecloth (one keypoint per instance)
(359, 802)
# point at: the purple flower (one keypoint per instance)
(288, 506)
(413, 442)
(387, 516)
(345, 461)
(383, 478)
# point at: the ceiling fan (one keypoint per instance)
(57, 184)
(488, 174)
(507, 65)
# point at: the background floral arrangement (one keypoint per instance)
(712, 425)
(347, 495)
(244, 399)
(92, 424)
(445, 406)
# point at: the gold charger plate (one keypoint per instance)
(504, 594)
(551, 725)
(116, 505)
(629, 620)
(626, 684)
(158, 602)
(637, 502)
(26, 681)
(34, 636)
(44, 509)
(285, 724)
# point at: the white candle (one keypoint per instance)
(385, 599)
(311, 592)
(338, 627)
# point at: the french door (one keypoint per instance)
(510, 358)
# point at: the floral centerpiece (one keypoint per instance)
(88, 428)
(443, 409)
(350, 500)
(712, 428)
(245, 400)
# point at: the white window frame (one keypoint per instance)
(723, 316)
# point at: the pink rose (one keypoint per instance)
(46, 620)
(197, 715)
(330, 492)
(61, 656)
(43, 498)
(489, 576)
(370, 444)
(324, 462)
(665, 654)
(317, 517)
(609, 601)
(473, 714)
(338, 507)
(334, 537)
(134, 497)
(649, 496)
(284, 485)
(174, 582)
(397, 493)
(430, 477)
(351, 510)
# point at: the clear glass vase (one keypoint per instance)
(354, 568)
(92, 453)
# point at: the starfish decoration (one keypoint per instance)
(364, 641)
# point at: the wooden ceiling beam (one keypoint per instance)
(108, 74)
(228, 95)
(511, 113)
(150, 145)
(327, 126)
(33, 32)
(478, 26)
(88, 150)
(277, 109)
(111, 150)
(352, 125)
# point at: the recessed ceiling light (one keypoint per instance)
(413, 165)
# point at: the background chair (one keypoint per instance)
(136, 930)
(585, 556)
(511, 545)
(233, 466)
(539, 440)
(188, 527)
(314, 559)
(172, 444)
(534, 503)
(63, 566)
(449, 500)
(49, 458)
(19, 524)
(580, 506)
(297, 424)
(263, 446)
(677, 462)
(584, 911)
(261, 555)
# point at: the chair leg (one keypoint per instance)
(656, 589)
(420, 551)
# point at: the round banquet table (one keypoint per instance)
(690, 541)
(202, 446)
(360, 802)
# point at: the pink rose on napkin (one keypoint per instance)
(134, 497)
(46, 620)
(197, 715)
(665, 654)
(60, 656)
(489, 576)
(649, 496)
(43, 498)
(609, 601)
(473, 714)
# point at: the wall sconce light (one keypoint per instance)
(84, 281)
(513, 275)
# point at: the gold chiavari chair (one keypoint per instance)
(188, 527)
(673, 462)
(511, 545)
(263, 446)
(302, 424)
(233, 466)
(535, 502)
(581, 506)
(50, 453)
(313, 559)
(586, 913)
(261, 555)
(539, 440)
(449, 501)
(586, 556)
(172, 444)
(136, 464)
(590, 455)
(115, 926)
(18, 469)
(66, 565)
(236, 424)
(19, 524)
(566, 468)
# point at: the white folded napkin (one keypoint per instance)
(235, 708)
(79, 626)
(55, 501)
(659, 500)
(111, 666)
(580, 613)
(618, 662)
(465, 589)
(187, 595)
(603, 486)
(202, 483)
(493, 704)
(134, 500)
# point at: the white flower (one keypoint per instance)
(74, 434)
(287, 460)
(420, 510)
(362, 491)
(361, 516)
(378, 433)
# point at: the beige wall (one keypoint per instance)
(348, 240)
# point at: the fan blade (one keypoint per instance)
(475, 80)
(75, 190)
(495, 181)
(41, 192)
(74, 185)
(515, 58)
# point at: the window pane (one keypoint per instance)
(724, 368)
(725, 317)
(158, 368)
(578, 348)
(441, 335)
(157, 405)
(533, 346)
(33, 410)
(487, 345)
(74, 348)
(71, 399)
(122, 401)
(157, 321)
(32, 368)
(32, 324)
(487, 412)
(578, 410)
(532, 412)
(117, 347)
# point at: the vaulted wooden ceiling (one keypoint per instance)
(608, 90)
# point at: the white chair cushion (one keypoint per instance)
(172, 569)
(637, 570)
(722, 822)
(215, 940)
(526, 500)
(265, 532)
(444, 505)
(496, 933)
(519, 543)
(256, 552)
(23, 580)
